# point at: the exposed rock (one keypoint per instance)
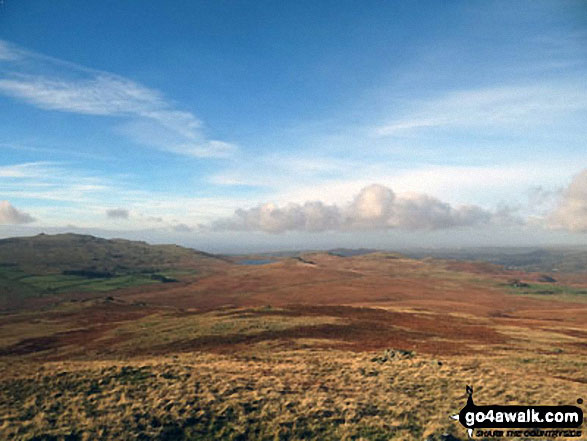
(393, 354)
(517, 283)
(302, 260)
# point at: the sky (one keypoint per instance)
(236, 126)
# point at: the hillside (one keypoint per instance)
(52, 264)
(316, 346)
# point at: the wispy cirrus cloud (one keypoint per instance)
(496, 107)
(63, 195)
(6, 53)
(102, 94)
(53, 84)
(28, 170)
(50, 181)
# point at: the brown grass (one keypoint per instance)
(290, 351)
(266, 393)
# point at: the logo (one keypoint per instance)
(528, 421)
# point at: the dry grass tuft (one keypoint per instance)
(303, 394)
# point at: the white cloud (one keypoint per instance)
(65, 195)
(177, 138)
(484, 185)
(375, 207)
(311, 216)
(102, 95)
(71, 195)
(571, 212)
(280, 170)
(11, 216)
(25, 170)
(51, 182)
(149, 118)
(500, 107)
(372, 207)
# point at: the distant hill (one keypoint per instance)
(350, 252)
(55, 253)
(340, 252)
(547, 259)
(50, 264)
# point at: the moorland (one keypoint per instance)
(119, 340)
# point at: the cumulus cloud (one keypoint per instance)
(375, 207)
(571, 212)
(539, 196)
(10, 215)
(311, 216)
(372, 207)
(423, 212)
(117, 213)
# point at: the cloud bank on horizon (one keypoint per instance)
(375, 207)
(571, 212)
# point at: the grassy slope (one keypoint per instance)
(47, 265)
(261, 394)
(47, 254)
(212, 359)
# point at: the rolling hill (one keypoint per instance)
(45, 265)
(308, 346)
(547, 259)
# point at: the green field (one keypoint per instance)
(12, 279)
(43, 265)
(549, 289)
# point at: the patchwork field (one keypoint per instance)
(313, 347)
(41, 269)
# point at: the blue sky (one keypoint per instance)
(269, 125)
